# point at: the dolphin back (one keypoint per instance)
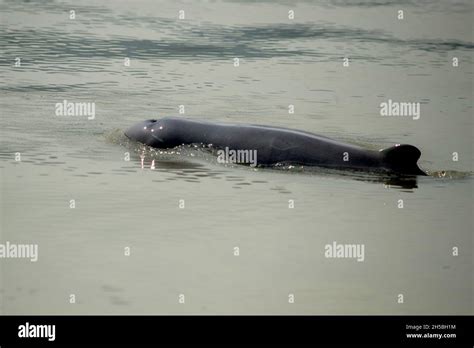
(403, 159)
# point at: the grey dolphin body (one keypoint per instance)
(274, 145)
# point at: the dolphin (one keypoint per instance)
(275, 145)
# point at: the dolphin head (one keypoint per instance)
(146, 132)
(162, 133)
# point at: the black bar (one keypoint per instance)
(291, 330)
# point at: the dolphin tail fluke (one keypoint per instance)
(402, 159)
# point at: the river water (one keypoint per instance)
(132, 236)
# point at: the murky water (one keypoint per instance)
(190, 251)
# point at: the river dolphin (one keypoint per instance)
(275, 145)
